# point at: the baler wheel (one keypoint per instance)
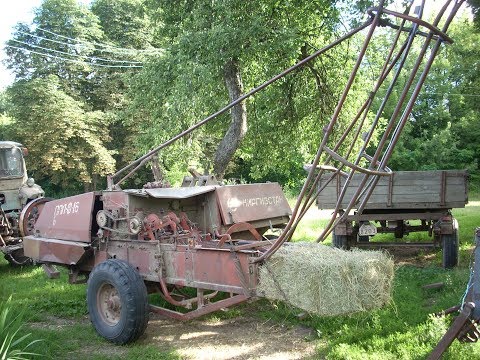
(117, 301)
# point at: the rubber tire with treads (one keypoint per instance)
(132, 294)
(450, 247)
(340, 241)
(363, 238)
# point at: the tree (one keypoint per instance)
(65, 140)
(36, 52)
(215, 50)
(444, 126)
(77, 53)
(6, 131)
(475, 6)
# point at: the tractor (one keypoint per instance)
(16, 191)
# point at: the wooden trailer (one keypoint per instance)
(404, 196)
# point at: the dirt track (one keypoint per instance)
(242, 337)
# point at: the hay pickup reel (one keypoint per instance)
(128, 243)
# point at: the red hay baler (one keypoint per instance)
(129, 243)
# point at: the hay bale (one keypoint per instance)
(325, 280)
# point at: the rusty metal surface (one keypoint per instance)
(114, 199)
(465, 327)
(211, 307)
(170, 235)
(67, 219)
(474, 284)
(30, 214)
(178, 193)
(199, 266)
(452, 333)
(54, 251)
(212, 269)
(398, 215)
(245, 203)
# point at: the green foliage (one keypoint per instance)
(13, 346)
(68, 18)
(475, 6)
(445, 123)
(125, 23)
(65, 140)
(186, 84)
(6, 128)
(131, 111)
(66, 110)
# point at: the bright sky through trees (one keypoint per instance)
(12, 13)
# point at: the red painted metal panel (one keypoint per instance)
(210, 269)
(114, 199)
(244, 203)
(52, 250)
(67, 219)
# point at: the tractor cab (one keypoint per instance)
(11, 160)
(16, 190)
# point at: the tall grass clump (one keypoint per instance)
(13, 345)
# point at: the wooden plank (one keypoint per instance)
(409, 189)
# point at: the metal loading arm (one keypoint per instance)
(465, 327)
(337, 146)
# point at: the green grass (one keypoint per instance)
(56, 312)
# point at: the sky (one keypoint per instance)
(14, 11)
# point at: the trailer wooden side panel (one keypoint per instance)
(402, 190)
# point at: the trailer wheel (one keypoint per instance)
(117, 301)
(340, 241)
(450, 247)
(363, 238)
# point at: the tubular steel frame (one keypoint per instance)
(328, 150)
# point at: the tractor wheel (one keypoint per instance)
(117, 301)
(340, 241)
(450, 247)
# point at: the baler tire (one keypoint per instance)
(117, 301)
(450, 248)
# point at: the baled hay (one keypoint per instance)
(327, 281)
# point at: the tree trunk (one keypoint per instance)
(238, 127)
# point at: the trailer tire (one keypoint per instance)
(450, 247)
(117, 301)
(363, 238)
(340, 241)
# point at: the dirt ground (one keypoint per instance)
(244, 337)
